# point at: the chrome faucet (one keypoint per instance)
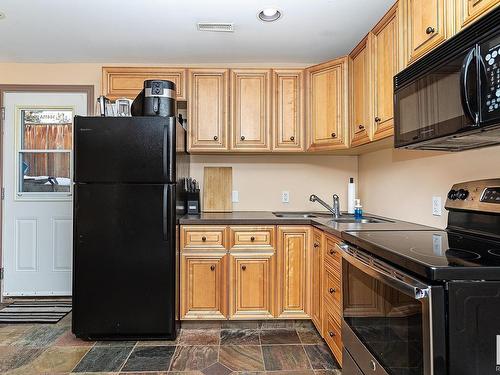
(335, 209)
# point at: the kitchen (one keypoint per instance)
(264, 272)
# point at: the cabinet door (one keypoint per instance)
(251, 287)
(118, 82)
(385, 65)
(316, 280)
(327, 110)
(208, 109)
(360, 103)
(469, 11)
(428, 23)
(203, 286)
(292, 257)
(288, 112)
(250, 109)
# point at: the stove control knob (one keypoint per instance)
(452, 195)
(462, 194)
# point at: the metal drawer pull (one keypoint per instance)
(378, 119)
(212, 267)
(316, 244)
(243, 267)
(252, 238)
(331, 333)
(216, 138)
(429, 30)
(332, 252)
(334, 135)
(242, 137)
(203, 238)
(332, 290)
(292, 138)
(361, 127)
(373, 365)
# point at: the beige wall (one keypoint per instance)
(401, 183)
(261, 179)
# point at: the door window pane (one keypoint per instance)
(46, 129)
(44, 172)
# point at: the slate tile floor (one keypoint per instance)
(213, 348)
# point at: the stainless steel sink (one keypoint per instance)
(345, 218)
(365, 220)
(300, 215)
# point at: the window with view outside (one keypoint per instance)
(45, 150)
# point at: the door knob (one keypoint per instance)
(377, 119)
(429, 30)
(292, 138)
(334, 135)
(212, 267)
(361, 127)
(243, 267)
(242, 137)
(216, 138)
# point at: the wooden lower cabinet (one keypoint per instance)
(291, 271)
(203, 286)
(251, 286)
(332, 331)
(316, 310)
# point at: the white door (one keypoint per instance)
(37, 206)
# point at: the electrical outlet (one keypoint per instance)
(236, 196)
(436, 206)
(285, 196)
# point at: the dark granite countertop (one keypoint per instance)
(323, 223)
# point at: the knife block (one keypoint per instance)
(193, 202)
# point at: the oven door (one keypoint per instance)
(438, 103)
(390, 319)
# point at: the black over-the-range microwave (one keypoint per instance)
(450, 99)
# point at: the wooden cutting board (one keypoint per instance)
(217, 189)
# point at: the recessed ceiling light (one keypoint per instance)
(2, 16)
(269, 14)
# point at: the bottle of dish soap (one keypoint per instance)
(358, 210)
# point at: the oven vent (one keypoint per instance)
(216, 26)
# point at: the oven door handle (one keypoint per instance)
(385, 273)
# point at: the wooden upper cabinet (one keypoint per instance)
(469, 11)
(208, 109)
(288, 110)
(250, 109)
(385, 65)
(327, 112)
(359, 93)
(292, 263)
(203, 286)
(426, 23)
(118, 82)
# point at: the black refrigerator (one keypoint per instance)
(128, 194)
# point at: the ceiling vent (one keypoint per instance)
(216, 26)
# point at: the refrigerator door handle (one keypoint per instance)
(165, 212)
(169, 150)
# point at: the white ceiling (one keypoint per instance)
(164, 31)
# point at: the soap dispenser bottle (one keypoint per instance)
(358, 210)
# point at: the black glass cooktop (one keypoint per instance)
(437, 255)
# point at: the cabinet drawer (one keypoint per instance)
(252, 237)
(333, 256)
(210, 238)
(332, 334)
(333, 290)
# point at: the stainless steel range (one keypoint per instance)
(427, 302)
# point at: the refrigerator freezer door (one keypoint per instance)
(125, 149)
(124, 261)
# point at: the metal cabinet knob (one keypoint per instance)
(361, 127)
(216, 138)
(203, 238)
(331, 333)
(332, 252)
(316, 244)
(252, 238)
(332, 290)
(242, 137)
(429, 30)
(243, 267)
(212, 267)
(292, 138)
(377, 119)
(334, 135)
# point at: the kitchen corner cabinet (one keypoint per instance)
(385, 65)
(468, 11)
(251, 286)
(288, 110)
(208, 110)
(426, 24)
(316, 309)
(292, 270)
(204, 286)
(327, 108)
(250, 110)
(118, 82)
(359, 93)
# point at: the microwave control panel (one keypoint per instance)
(491, 59)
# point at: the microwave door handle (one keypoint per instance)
(404, 283)
(464, 79)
